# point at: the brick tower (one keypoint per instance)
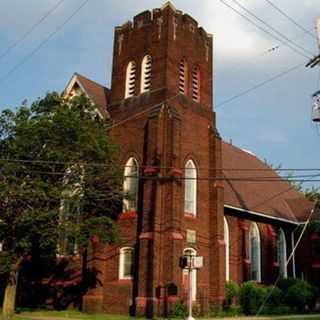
(162, 114)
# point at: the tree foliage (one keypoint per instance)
(58, 177)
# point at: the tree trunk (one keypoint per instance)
(9, 301)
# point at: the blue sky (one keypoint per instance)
(273, 121)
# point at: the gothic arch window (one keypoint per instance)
(130, 185)
(227, 253)
(126, 259)
(196, 84)
(255, 253)
(146, 69)
(190, 188)
(185, 274)
(183, 77)
(282, 253)
(130, 80)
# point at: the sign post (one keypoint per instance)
(191, 263)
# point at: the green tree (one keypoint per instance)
(59, 184)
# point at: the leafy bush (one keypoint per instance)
(180, 310)
(232, 291)
(300, 295)
(251, 297)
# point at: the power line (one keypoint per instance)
(290, 257)
(271, 27)
(26, 58)
(261, 84)
(265, 30)
(152, 166)
(291, 19)
(29, 31)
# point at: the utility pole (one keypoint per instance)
(316, 60)
(312, 63)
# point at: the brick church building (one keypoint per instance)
(192, 192)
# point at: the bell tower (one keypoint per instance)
(162, 113)
(180, 54)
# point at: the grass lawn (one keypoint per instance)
(74, 315)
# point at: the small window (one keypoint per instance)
(255, 253)
(183, 82)
(190, 188)
(226, 241)
(1, 246)
(130, 80)
(126, 263)
(146, 74)
(130, 185)
(282, 253)
(196, 84)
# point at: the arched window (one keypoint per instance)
(196, 84)
(282, 253)
(130, 185)
(226, 241)
(130, 80)
(146, 74)
(1, 246)
(190, 188)
(255, 253)
(183, 77)
(185, 274)
(126, 263)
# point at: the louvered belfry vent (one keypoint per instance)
(196, 84)
(130, 80)
(146, 72)
(182, 77)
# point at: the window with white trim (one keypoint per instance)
(196, 84)
(130, 80)
(146, 74)
(130, 185)
(227, 252)
(126, 263)
(282, 253)
(255, 253)
(183, 72)
(190, 188)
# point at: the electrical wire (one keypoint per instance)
(271, 27)
(291, 19)
(30, 30)
(261, 84)
(264, 30)
(34, 51)
(95, 164)
(290, 257)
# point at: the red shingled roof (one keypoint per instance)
(277, 199)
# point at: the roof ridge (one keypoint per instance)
(87, 79)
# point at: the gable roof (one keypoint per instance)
(95, 91)
(271, 196)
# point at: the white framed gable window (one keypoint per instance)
(130, 80)
(126, 263)
(255, 253)
(190, 188)
(282, 253)
(130, 185)
(146, 74)
(227, 252)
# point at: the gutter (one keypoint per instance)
(265, 215)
